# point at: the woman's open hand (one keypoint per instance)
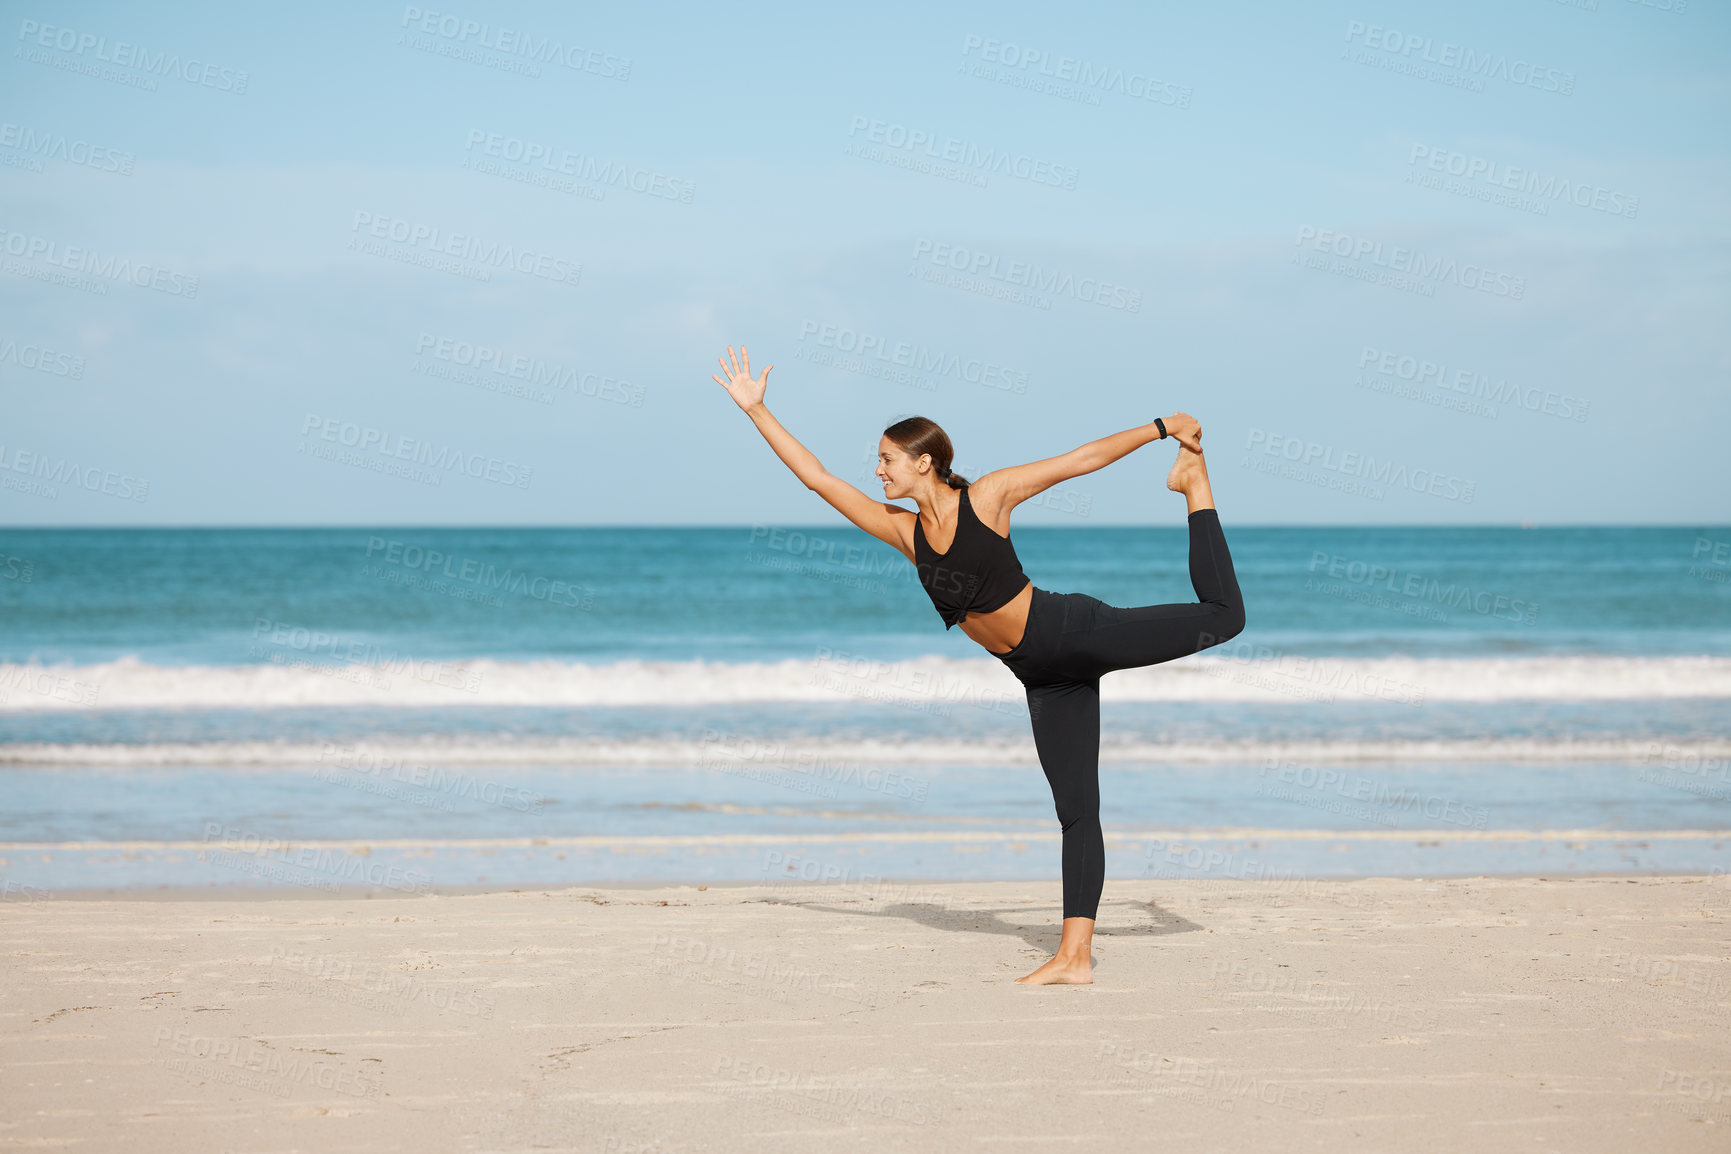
(1186, 430)
(737, 379)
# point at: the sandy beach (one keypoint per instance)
(1570, 1013)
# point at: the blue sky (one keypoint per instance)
(1408, 263)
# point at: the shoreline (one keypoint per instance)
(188, 893)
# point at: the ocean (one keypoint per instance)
(406, 709)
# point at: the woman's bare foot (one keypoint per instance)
(1062, 971)
(1073, 964)
(1183, 471)
(1189, 476)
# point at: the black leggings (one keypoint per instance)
(1071, 640)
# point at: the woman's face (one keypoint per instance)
(896, 470)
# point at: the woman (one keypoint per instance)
(1057, 644)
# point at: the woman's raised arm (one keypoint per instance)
(879, 518)
(1010, 487)
(747, 393)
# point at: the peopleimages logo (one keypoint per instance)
(536, 372)
(966, 154)
(918, 357)
(44, 144)
(439, 241)
(1476, 385)
(133, 56)
(939, 257)
(1358, 466)
(580, 166)
(515, 42)
(554, 591)
(1086, 76)
(64, 471)
(1411, 263)
(1476, 171)
(41, 359)
(257, 1065)
(1468, 62)
(1369, 575)
(365, 439)
(82, 259)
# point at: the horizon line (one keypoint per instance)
(469, 526)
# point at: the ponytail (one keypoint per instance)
(919, 436)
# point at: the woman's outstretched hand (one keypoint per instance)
(1186, 430)
(737, 380)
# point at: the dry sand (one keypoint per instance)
(1483, 1014)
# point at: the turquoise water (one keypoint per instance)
(754, 593)
(539, 706)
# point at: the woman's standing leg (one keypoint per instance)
(1066, 721)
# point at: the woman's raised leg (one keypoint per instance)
(1151, 634)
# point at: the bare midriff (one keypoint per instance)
(1001, 630)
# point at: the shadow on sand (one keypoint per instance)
(1150, 919)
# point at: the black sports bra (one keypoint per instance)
(980, 573)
